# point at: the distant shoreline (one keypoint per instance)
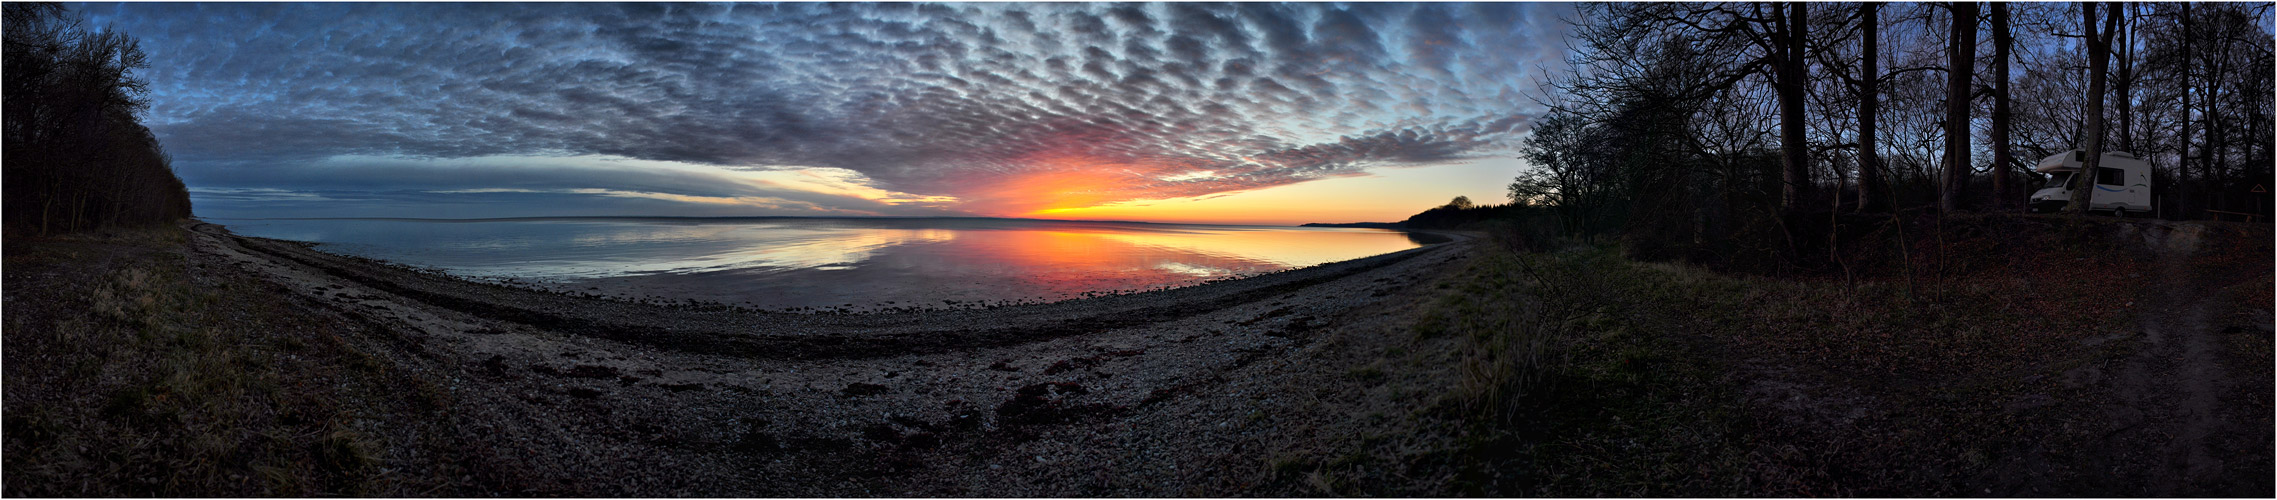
(1366, 225)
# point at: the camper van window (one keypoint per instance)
(2079, 156)
(2058, 180)
(2110, 176)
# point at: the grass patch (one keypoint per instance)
(132, 371)
(1371, 373)
(1587, 374)
(1572, 386)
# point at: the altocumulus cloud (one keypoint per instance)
(872, 109)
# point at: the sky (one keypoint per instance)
(1250, 113)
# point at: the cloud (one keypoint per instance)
(993, 109)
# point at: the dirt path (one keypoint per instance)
(2178, 343)
(2170, 415)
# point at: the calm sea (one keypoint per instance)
(824, 262)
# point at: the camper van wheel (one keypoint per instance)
(2119, 212)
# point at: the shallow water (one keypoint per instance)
(821, 262)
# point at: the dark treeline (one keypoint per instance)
(1459, 213)
(77, 155)
(1694, 129)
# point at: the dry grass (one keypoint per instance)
(1513, 313)
(1575, 385)
(1583, 374)
(1517, 375)
(131, 371)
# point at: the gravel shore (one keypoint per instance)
(1116, 395)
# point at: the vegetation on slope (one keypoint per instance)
(78, 155)
(136, 369)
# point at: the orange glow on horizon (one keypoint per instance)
(1066, 180)
(1386, 195)
(1073, 186)
(1057, 190)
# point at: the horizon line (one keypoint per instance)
(724, 217)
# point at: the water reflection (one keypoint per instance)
(778, 263)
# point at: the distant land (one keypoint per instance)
(1377, 225)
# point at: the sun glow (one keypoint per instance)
(1059, 181)
(1388, 195)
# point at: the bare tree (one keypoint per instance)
(2002, 157)
(2098, 70)
(2183, 165)
(1960, 71)
(1774, 42)
(2125, 83)
(1570, 174)
(1789, 35)
(1873, 182)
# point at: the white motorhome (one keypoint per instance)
(2122, 183)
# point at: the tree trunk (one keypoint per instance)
(1961, 70)
(2002, 159)
(78, 208)
(2213, 162)
(1873, 191)
(2182, 191)
(1795, 152)
(2098, 70)
(2126, 83)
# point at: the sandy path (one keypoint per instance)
(585, 396)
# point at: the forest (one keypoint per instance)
(1690, 129)
(78, 156)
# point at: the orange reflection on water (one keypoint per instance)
(786, 247)
(1074, 261)
(1294, 247)
(1071, 259)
